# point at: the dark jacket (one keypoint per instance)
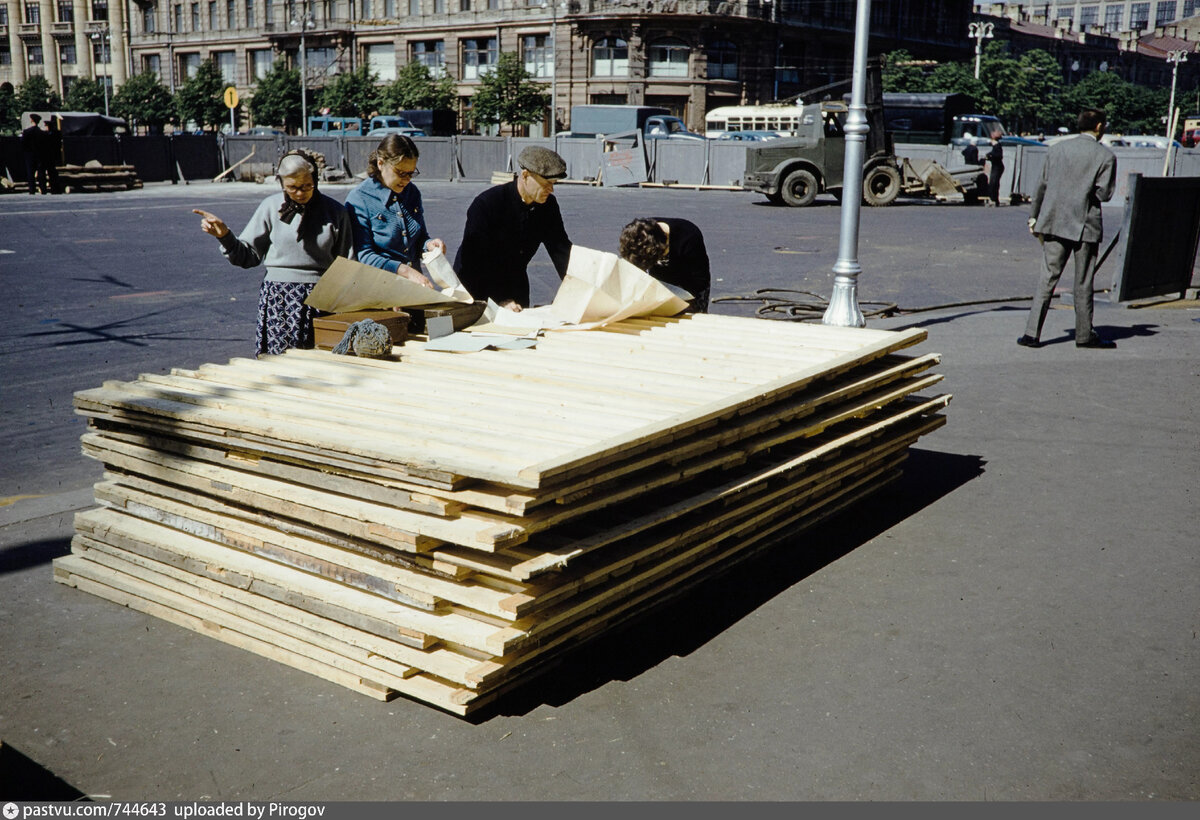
(501, 235)
(686, 264)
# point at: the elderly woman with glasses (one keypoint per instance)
(296, 234)
(386, 211)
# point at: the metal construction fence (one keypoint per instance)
(707, 163)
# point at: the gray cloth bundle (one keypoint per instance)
(367, 338)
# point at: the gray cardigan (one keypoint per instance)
(270, 241)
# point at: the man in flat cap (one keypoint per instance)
(505, 226)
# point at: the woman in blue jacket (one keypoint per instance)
(386, 212)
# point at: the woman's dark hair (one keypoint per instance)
(391, 150)
(643, 243)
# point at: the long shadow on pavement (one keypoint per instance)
(22, 779)
(707, 610)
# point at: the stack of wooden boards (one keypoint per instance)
(94, 177)
(445, 526)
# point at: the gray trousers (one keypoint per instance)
(1055, 251)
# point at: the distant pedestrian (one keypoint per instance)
(970, 153)
(1078, 175)
(51, 155)
(33, 139)
(995, 158)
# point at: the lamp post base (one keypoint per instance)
(843, 310)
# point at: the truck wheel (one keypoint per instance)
(799, 188)
(881, 185)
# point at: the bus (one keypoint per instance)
(784, 120)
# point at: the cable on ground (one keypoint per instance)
(772, 306)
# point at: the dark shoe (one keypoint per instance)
(1096, 341)
(1028, 341)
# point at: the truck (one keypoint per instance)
(938, 119)
(435, 122)
(793, 170)
(650, 121)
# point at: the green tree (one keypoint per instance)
(144, 100)
(415, 87)
(85, 95)
(1131, 109)
(957, 78)
(1035, 100)
(903, 73)
(10, 112)
(201, 98)
(276, 100)
(351, 95)
(35, 94)
(508, 95)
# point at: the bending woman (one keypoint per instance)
(386, 211)
(296, 233)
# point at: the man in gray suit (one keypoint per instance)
(1079, 174)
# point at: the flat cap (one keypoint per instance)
(543, 162)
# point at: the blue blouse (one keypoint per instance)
(389, 228)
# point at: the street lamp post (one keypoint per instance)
(102, 36)
(979, 32)
(1174, 58)
(304, 21)
(553, 4)
(843, 310)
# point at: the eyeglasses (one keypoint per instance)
(406, 174)
(299, 189)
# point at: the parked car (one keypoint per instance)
(749, 136)
(407, 132)
(1190, 138)
(266, 129)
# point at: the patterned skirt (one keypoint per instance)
(284, 321)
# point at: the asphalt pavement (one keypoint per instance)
(1016, 620)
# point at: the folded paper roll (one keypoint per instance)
(348, 285)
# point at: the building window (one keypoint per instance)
(227, 65)
(1066, 16)
(213, 22)
(230, 14)
(1114, 16)
(1164, 13)
(101, 50)
(66, 11)
(493, 5)
(268, 12)
(1139, 16)
(178, 18)
(389, 9)
(34, 55)
(321, 61)
(537, 54)
(439, 6)
(381, 61)
(195, 16)
(5, 54)
(610, 58)
(152, 63)
(414, 7)
(1088, 16)
(478, 57)
(722, 60)
(100, 10)
(261, 60)
(1191, 7)
(148, 20)
(33, 14)
(4, 21)
(669, 58)
(66, 54)
(189, 64)
(464, 5)
(432, 55)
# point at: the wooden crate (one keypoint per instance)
(328, 330)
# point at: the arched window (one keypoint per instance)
(610, 58)
(669, 58)
(722, 60)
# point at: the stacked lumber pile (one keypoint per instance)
(94, 177)
(445, 526)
